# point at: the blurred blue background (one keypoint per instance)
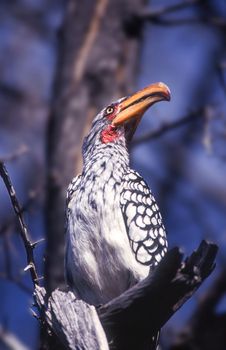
(185, 167)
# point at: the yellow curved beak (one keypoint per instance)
(135, 105)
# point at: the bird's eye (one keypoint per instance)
(109, 110)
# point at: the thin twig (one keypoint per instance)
(23, 229)
(150, 14)
(135, 20)
(215, 21)
(157, 16)
(23, 149)
(153, 134)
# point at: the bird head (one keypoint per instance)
(118, 121)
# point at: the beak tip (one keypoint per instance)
(167, 92)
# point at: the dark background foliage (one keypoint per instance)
(183, 162)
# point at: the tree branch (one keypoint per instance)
(29, 246)
(158, 16)
(215, 21)
(165, 127)
(75, 324)
(23, 149)
(152, 14)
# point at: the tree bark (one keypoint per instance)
(74, 324)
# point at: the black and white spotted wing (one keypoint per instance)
(143, 220)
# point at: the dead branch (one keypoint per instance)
(29, 246)
(74, 323)
(165, 127)
(135, 20)
(214, 21)
(152, 14)
(158, 16)
(23, 149)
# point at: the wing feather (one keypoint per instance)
(143, 220)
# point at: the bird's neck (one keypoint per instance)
(103, 158)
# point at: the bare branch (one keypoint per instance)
(23, 228)
(152, 14)
(158, 16)
(215, 21)
(153, 134)
(23, 149)
(74, 322)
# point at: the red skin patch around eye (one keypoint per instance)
(109, 134)
(111, 116)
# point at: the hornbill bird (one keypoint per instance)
(115, 233)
